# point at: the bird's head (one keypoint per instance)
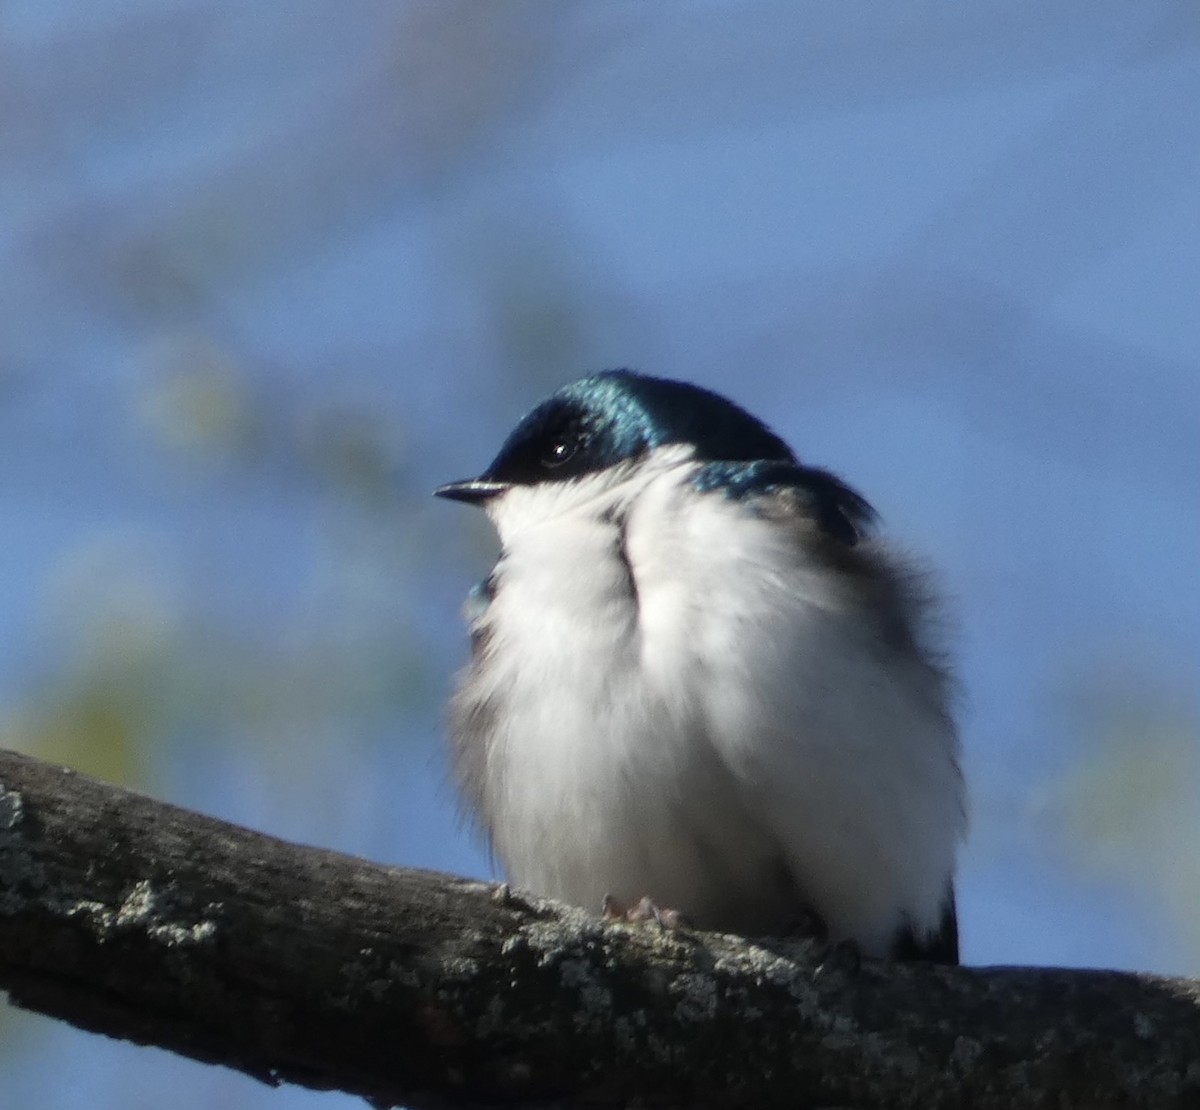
(597, 436)
(608, 425)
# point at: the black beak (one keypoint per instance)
(474, 491)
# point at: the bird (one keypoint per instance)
(701, 683)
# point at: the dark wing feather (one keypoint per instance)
(940, 948)
(840, 512)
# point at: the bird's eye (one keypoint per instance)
(558, 451)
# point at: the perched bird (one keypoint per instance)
(698, 678)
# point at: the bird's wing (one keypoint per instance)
(940, 947)
(822, 702)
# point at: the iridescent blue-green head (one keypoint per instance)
(615, 417)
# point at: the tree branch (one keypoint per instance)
(148, 922)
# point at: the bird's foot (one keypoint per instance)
(645, 910)
(836, 955)
(843, 956)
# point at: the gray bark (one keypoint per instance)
(144, 921)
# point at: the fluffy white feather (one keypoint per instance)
(673, 695)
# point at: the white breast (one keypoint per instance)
(673, 699)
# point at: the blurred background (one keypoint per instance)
(269, 274)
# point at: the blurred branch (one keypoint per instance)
(140, 920)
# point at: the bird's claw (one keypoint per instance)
(842, 955)
(645, 910)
